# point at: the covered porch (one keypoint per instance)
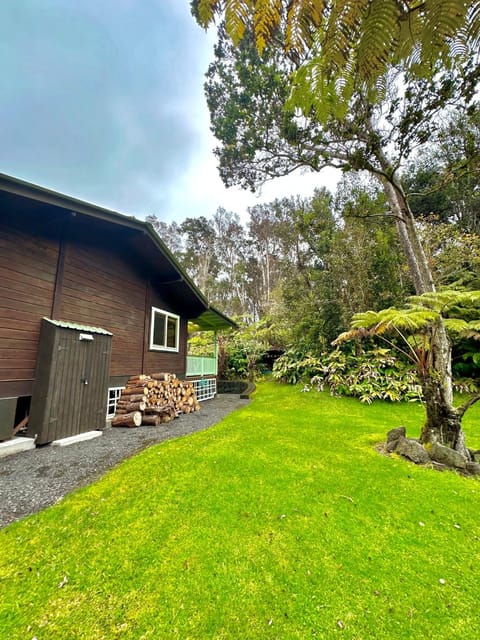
(202, 351)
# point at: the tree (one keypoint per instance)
(413, 328)
(443, 179)
(340, 46)
(199, 251)
(264, 136)
(169, 232)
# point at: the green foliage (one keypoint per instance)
(339, 46)
(370, 375)
(241, 351)
(296, 366)
(201, 343)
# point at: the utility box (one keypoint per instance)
(71, 381)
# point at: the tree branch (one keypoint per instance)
(466, 405)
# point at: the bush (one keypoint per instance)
(295, 366)
(370, 375)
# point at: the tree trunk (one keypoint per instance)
(443, 423)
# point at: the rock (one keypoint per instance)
(393, 436)
(445, 455)
(475, 455)
(473, 468)
(412, 450)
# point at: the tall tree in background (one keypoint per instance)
(444, 181)
(360, 109)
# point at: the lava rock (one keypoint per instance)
(412, 450)
(448, 456)
(393, 436)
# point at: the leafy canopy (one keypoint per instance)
(340, 45)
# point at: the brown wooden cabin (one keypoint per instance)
(83, 267)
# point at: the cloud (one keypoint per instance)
(104, 101)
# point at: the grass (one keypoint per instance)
(280, 522)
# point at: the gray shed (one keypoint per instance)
(71, 381)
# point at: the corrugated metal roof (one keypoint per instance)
(78, 327)
(213, 320)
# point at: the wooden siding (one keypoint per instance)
(101, 289)
(170, 361)
(27, 282)
(80, 274)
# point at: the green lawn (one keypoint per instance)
(280, 522)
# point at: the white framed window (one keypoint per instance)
(114, 394)
(164, 330)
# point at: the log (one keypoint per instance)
(138, 378)
(133, 419)
(159, 410)
(133, 398)
(151, 420)
(130, 391)
(161, 376)
(128, 407)
(20, 426)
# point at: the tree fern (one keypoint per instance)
(343, 44)
(267, 18)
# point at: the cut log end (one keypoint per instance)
(133, 419)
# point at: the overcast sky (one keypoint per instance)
(103, 100)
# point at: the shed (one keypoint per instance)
(71, 380)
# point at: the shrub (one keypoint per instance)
(370, 375)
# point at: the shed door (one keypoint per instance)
(70, 392)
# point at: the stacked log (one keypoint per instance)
(154, 400)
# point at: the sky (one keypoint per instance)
(103, 100)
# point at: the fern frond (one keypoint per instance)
(206, 11)
(266, 20)
(443, 301)
(379, 39)
(411, 320)
(237, 13)
(443, 19)
(304, 17)
(473, 22)
(455, 325)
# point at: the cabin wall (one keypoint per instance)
(81, 278)
(28, 268)
(100, 288)
(169, 361)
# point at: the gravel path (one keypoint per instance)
(35, 479)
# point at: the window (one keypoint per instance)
(164, 330)
(114, 394)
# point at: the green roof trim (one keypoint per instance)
(213, 320)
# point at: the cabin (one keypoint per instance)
(88, 298)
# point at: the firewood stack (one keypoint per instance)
(154, 400)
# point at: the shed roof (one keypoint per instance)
(166, 272)
(78, 327)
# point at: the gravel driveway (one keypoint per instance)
(35, 479)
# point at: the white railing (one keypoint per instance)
(200, 366)
(205, 388)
